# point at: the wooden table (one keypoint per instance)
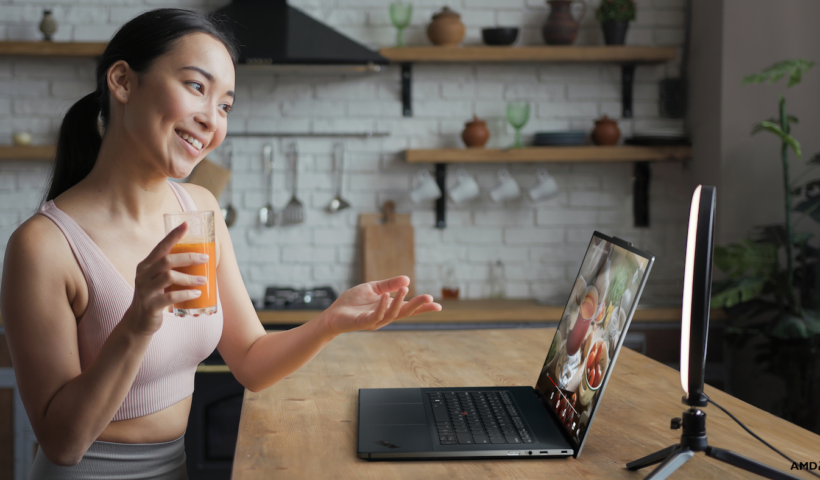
(305, 426)
(490, 311)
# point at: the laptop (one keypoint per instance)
(550, 420)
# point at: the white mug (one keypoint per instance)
(426, 188)
(506, 189)
(466, 188)
(545, 187)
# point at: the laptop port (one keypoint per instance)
(564, 451)
(544, 452)
(513, 453)
(529, 453)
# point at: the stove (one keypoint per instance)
(287, 298)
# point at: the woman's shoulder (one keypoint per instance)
(202, 197)
(37, 236)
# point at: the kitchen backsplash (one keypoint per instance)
(539, 243)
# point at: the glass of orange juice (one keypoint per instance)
(199, 238)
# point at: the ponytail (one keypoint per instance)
(78, 145)
(139, 42)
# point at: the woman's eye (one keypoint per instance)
(196, 85)
(226, 107)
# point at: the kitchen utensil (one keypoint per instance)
(229, 211)
(517, 114)
(572, 137)
(338, 203)
(210, 175)
(475, 133)
(426, 188)
(388, 245)
(267, 214)
(294, 211)
(545, 187)
(446, 29)
(499, 36)
(506, 189)
(400, 15)
(466, 188)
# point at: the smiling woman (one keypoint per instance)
(104, 370)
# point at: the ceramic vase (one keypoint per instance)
(606, 132)
(48, 25)
(446, 29)
(476, 133)
(560, 28)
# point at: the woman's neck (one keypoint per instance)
(124, 183)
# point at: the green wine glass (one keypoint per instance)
(400, 15)
(517, 114)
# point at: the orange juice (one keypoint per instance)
(207, 270)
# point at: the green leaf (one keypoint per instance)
(791, 119)
(788, 326)
(729, 293)
(793, 68)
(738, 259)
(784, 137)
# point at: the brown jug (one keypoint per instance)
(560, 28)
(476, 133)
(606, 132)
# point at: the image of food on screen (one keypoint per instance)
(591, 329)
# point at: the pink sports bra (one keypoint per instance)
(166, 374)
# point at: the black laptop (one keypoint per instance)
(550, 420)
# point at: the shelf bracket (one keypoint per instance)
(640, 194)
(407, 89)
(627, 82)
(441, 202)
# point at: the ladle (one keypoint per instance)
(338, 203)
(229, 211)
(267, 215)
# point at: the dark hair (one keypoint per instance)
(139, 42)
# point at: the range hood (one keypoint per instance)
(271, 32)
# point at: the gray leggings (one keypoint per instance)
(119, 461)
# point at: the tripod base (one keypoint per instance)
(694, 440)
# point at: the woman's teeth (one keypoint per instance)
(193, 141)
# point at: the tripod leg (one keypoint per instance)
(671, 464)
(652, 459)
(747, 464)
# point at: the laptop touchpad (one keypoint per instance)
(393, 414)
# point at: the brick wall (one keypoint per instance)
(540, 244)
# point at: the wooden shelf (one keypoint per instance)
(35, 152)
(53, 49)
(624, 153)
(487, 311)
(616, 54)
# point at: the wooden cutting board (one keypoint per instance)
(388, 246)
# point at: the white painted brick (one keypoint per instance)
(308, 254)
(473, 235)
(280, 274)
(520, 218)
(94, 33)
(491, 254)
(568, 109)
(593, 91)
(19, 88)
(505, 4)
(280, 236)
(565, 217)
(310, 108)
(526, 18)
(532, 271)
(533, 236)
(440, 108)
(55, 107)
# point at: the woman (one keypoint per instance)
(104, 371)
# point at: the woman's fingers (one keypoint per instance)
(381, 308)
(390, 285)
(166, 244)
(161, 302)
(172, 277)
(395, 305)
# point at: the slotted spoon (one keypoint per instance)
(294, 211)
(229, 211)
(267, 215)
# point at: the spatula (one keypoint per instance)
(294, 211)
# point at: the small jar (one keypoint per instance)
(446, 29)
(476, 133)
(606, 132)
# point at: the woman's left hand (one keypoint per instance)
(369, 307)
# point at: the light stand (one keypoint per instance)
(697, 288)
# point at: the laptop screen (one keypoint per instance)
(591, 331)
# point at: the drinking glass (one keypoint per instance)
(517, 114)
(400, 15)
(199, 238)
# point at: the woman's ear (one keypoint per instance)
(119, 80)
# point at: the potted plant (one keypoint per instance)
(776, 306)
(615, 16)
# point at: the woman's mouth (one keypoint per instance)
(193, 144)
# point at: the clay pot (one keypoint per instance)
(606, 132)
(560, 28)
(446, 29)
(476, 133)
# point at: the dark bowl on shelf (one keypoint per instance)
(499, 36)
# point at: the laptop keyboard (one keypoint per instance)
(466, 418)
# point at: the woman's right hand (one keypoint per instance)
(154, 275)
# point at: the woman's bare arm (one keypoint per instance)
(259, 359)
(68, 408)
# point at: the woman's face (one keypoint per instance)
(177, 111)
